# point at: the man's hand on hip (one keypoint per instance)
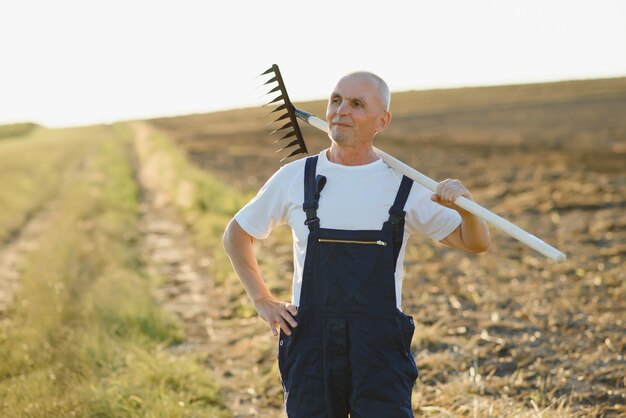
(277, 314)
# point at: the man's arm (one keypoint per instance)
(473, 233)
(239, 247)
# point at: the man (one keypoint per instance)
(344, 345)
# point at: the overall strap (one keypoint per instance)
(397, 213)
(313, 186)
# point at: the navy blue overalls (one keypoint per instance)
(350, 353)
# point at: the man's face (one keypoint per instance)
(355, 111)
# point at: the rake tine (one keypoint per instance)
(269, 70)
(265, 94)
(296, 152)
(291, 144)
(285, 116)
(266, 72)
(275, 89)
(292, 133)
(281, 107)
(285, 126)
(277, 99)
(271, 80)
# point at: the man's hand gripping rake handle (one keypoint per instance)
(470, 206)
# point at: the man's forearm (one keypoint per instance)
(239, 247)
(474, 233)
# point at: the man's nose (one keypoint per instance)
(343, 108)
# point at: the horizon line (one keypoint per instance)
(245, 106)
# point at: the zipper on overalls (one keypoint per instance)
(345, 241)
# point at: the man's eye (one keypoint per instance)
(356, 104)
(335, 100)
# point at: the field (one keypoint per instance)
(110, 259)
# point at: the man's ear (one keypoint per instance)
(383, 121)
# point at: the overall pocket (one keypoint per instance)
(407, 327)
(285, 353)
(354, 271)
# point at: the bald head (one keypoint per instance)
(384, 96)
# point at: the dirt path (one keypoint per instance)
(12, 255)
(26, 238)
(204, 308)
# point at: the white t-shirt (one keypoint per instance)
(354, 198)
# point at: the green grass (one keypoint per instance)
(17, 129)
(33, 169)
(85, 337)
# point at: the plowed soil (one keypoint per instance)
(506, 332)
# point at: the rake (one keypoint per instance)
(289, 112)
(298, 146)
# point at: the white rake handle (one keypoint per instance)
(470, 206)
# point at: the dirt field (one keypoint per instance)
(508, 331)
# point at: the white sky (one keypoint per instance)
(67, 62)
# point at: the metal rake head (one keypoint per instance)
(291, 128)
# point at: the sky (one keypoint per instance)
(71, 62)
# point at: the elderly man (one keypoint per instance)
(344, 345)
